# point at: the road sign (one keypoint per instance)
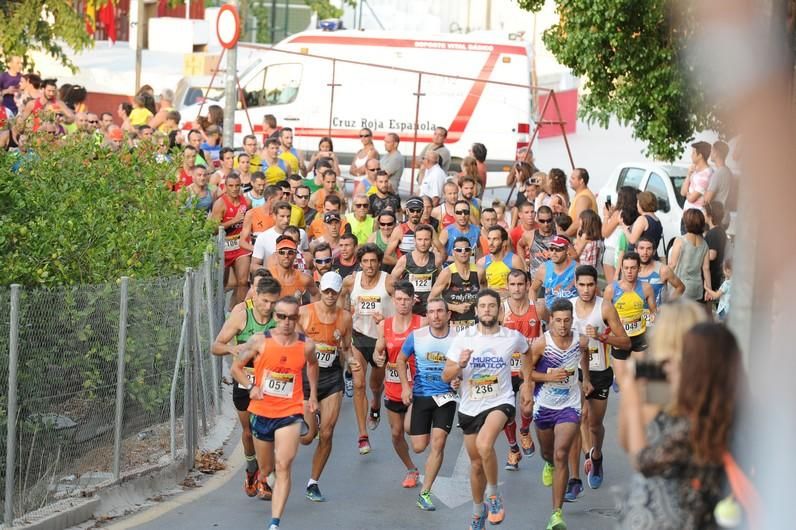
(228, 26)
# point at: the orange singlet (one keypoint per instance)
(277, 368)
(326, 338)
(296, 285)
(394, 341)
(529, 327)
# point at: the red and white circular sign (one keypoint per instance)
(228, 26)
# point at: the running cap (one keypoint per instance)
(284, 241)
(116, 135)
(331, 217)
(331, 280)
(559, 241)
(414, 203)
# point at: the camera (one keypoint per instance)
(650, 370)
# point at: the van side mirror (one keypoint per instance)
(663, 205)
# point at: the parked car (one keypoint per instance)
(663, 181)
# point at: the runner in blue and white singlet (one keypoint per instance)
(549, 396)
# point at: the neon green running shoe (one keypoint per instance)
(556, 521)
(547, 474)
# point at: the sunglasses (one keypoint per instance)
(544, 221)
(415, 210)
(462, 212)
(386, 224)
(322, 261)
(558, 249)
(93, 121)
(362, 205)
(302, 196)
(282, 316)
(462, 250)
(286, 252)
(364, 136)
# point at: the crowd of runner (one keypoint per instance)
(441, 309)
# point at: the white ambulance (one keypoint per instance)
(335, 83)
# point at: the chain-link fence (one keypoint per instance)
(103, 380)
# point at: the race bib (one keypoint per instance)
(632, 327)
(595, 360)
(461, 325)
(483, 387)
(649, 318)
(516, 363)
(249, 372)
(391, 373)
(278, 385)
(422, 282)
(369, 305)
(326, 354)
(566, 382)
(231, 244)
(444, 399)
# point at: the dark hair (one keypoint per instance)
(479, 152)
(127, 108)
(425, 228)
(488, 210)
(320, 247)
(483, 293)
(562, 221)
(544, 209)
(174, 115)
(694, 221)
(438, 299)
(703, 148)
(34, 80)
(632, 256)
(715, 209)
(560, 304)
(351, 236)
(326, 139)
(106, 113)
(295, 231)
(303, 187)
(584, 175)
(262, 272)
(462, 239)
(283, 185)
(295, 177)
(585, 270)
(225, 150)
(268, 285)
(283, 130)
(558, 181)
(333, 200)
(461, 201)
(370, 132)
(503, 234)
(244, 154)
(271, 141)
(280, 205)
(292, 300)
(54, 82)
(249, 137)
(271, 190)
(518, 272)
(405, 287)
(233, 176)
(627, 204)
(387, 211)
(646, 239)
(591, 226)
(369, 248)
(721, 149)
(270, 119)
(708, 395)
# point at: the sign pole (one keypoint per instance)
(228, 31)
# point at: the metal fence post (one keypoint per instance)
(201, 386)
(117, 433)
(211, 321)
(189, 400)
(175, 376)
(221, 299)
(11, 417)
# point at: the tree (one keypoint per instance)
(630, 55)
(43, 25)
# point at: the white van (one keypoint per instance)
(335, 83)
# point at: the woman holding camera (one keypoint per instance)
(677, 425)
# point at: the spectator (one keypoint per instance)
(563, 222)
(195, 141)
(521, 171)
(250, 148)
(165, 107)
(49, 102)
(29, 89)
(689, 257)
(325, 150)
(722, 295)
(626, 199)
(368, 152)
(469, 169)
(10, 81)
(647, 224)
(527, 191)
(678, 448)
(433, 179)
(106, 120)
(554, 192)
(716, 238)
(215, 117)
(478, 151)
(211, 147)
(270, 130)
(437, 144)
(697, 182)
(123, 112)
(589, 246)
(147, 93)
(584, 198)
(721, 182)
(392, 161)
(172, 122)
(140, 115)
(74, 96)
(503, 217)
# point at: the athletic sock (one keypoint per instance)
(491, 490)
(478, 509)
(525, 424)
(275, 520)
(251, 463)
(511, 432)
(310, 482)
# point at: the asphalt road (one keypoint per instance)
(364, 492)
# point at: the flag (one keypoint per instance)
(91, 16)
(107, 15)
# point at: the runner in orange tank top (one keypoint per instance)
(293, 282)
(229, 210)
(519, 314)
(392, 334)
(277, 404)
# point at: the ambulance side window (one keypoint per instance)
(277, 84)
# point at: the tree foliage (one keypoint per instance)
(76, 213)
(630, 55)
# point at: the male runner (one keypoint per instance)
(533, 244)
(367, 294)
(392, 334)
(229, 210)
(629, 297)
(519, 313)
(329, 327)
(659, 275)
(460, 228)
(499, 261)
(294, 282)
(459, 284)
(444, 212)
(556, 409)
(556, 276)
(402, 239)
(276, 395)
(244, 321)
(481, 357)
(433, 400)
(420, 267)
(599, 321)
(345, 262)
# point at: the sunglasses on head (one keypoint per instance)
(462, 250)
(283, 316)
(286, 252)
(322, 261)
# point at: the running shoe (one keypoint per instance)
(496, 511)
(250, 483)
(273, 527)
(513, 460)
(374, 417)
(349, 384)
(479, 521)
(574, 490)
(411, 478)
(556, 521)
(314, 493)
(526, 443)
(547, 474)
(424, 502)
(264, 491)
(594, 472)
(364, 445)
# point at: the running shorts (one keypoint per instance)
(545, 418)
(395, 406)
(264, 428)
(230, 257)
(473, 424)
(601, 381)
(329, 383)
(426, 414)
(516, 381)
(637, 343)
(240, 398)
(366, 346)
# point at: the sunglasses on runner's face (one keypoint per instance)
(385, 224)
(302, 196)
(544, 221)
(415, 210)
(558, 249)
(362, 205)
(364, 136)
(286, 252)
(461, 212)
(323, 261)
(462, 250)
(282, 316)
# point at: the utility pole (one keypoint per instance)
(139, 41)
(230, 91)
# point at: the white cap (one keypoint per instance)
(331, 280)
